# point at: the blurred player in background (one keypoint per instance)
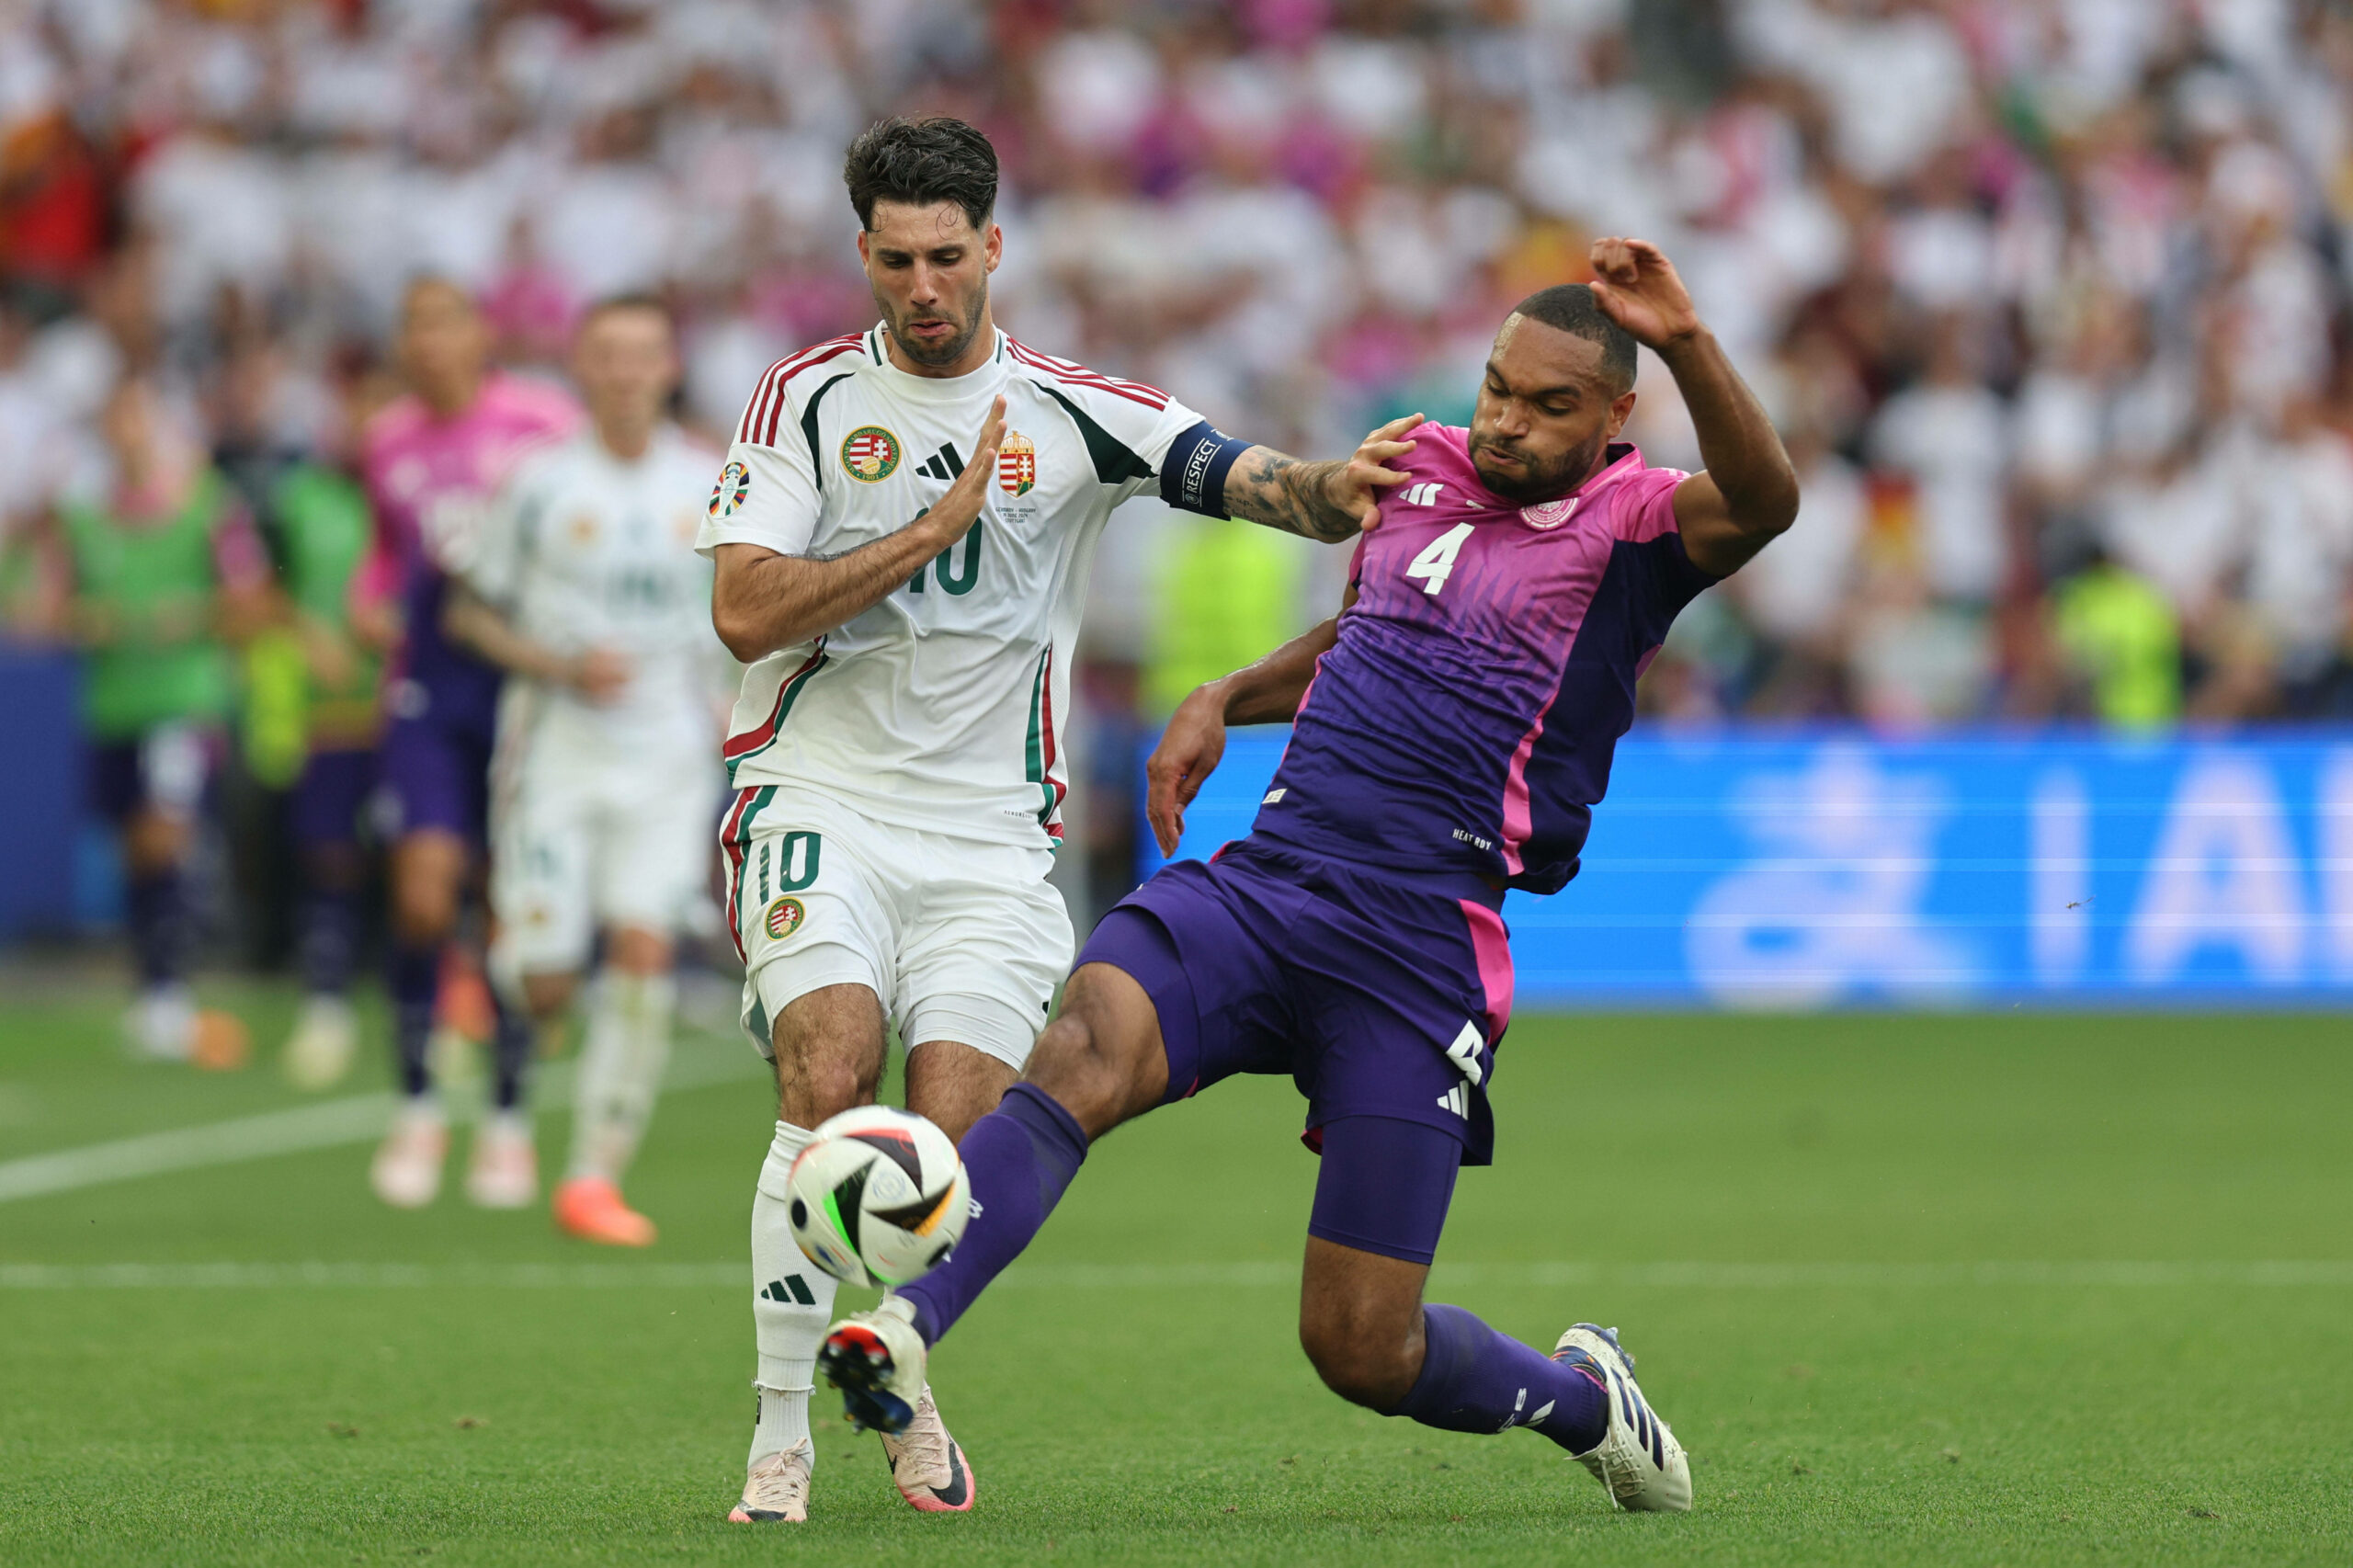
(903, 534)
(313, 519)
(431, 460)
(161, 569)
(1463, 709)
(586, 591)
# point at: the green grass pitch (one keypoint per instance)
(1904, 1333)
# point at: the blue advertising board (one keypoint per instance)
(1810, 870)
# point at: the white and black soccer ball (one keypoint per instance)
(879, 1196)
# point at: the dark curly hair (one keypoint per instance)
(921, 161)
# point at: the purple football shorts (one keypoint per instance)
(329, 796)
(1383, 1000)
(435, 776)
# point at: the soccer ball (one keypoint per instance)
(877, 1197)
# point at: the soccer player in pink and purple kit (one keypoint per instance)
(1453, 727)
(432, 460)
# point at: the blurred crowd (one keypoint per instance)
(2048, 296)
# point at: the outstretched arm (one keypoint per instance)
(1749, 492)
(1324, 501)
(1267, 692)
(761, 601)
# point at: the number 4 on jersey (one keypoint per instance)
(1434, 566)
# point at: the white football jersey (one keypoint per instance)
(581, 550)
(940, 708)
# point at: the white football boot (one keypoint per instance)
(504, 1170)
(326, 1038)
(877, 1360)
(406, 1172)
(776, 1490)
(161, 1025)
(1637, 1459)
(927, 1464)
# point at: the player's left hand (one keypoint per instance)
(1638, 289)
(1187, 753)
(1356, 488)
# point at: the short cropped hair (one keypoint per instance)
(921, 161)
(1571, 308)
(635, 300)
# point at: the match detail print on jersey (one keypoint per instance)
(870, 454)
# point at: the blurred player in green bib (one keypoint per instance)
(162, 565)
(318, 733)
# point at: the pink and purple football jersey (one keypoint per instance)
(428, 481)
(1463, 724)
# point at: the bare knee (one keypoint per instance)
(548, 994)
(1102, 1060)
(1374, 1370)
(1085, 1074)
(429, 875)
(635, 949)
(153, 842)
(1361, 1322)
(829, 1053)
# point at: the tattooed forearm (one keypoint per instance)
(1281, 492)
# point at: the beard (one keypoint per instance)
(945, 352)
(1537, 479)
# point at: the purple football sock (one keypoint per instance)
(1474, 1380)
(414, 980)
(329, 942)
(1021, 1157)
(510, 1053)
(155, 908)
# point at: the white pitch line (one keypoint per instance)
(2334, 1273)
(355, 1119)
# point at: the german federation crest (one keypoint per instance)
(734, 483)
(1016, 464)
(870, 454)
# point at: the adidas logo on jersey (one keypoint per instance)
(943, 464)
(1457, 1100)
(1423, 495)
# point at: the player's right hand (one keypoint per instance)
(958, 508)
(600, 675)
(1187, 753)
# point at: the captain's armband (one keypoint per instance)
(1193, 477)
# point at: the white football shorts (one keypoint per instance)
(576, 848)
(960, 940)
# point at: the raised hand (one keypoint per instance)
(965, 497)
(1638, 289)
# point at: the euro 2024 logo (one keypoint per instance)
(734, 483)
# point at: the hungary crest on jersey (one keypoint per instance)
(870, 454)
(1016, 464)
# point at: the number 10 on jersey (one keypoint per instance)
(954, 578)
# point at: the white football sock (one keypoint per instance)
(621, 1070)
(792, 1305)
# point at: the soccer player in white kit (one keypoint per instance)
(903, 534)
(587, 592)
